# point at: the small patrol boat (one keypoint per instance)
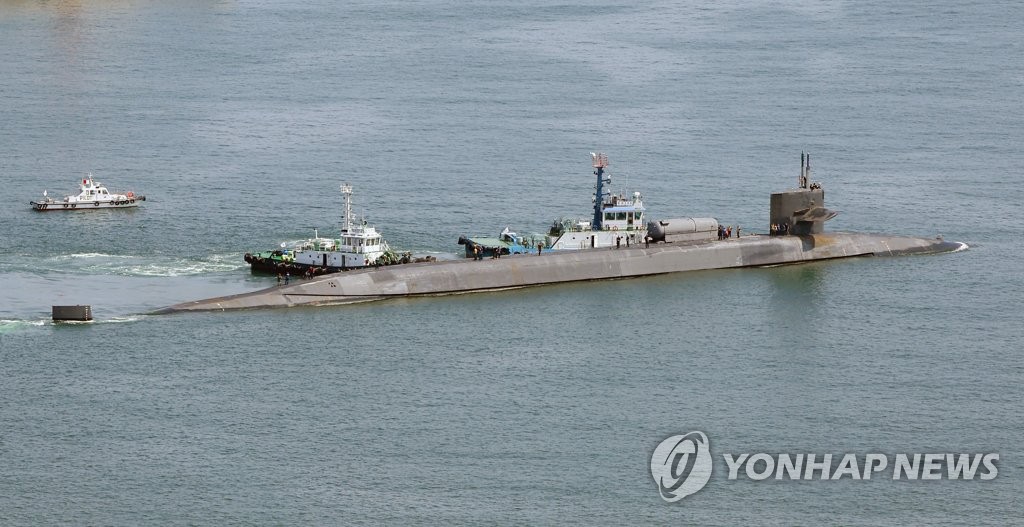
(93, 195)
(359, 245)
(617, 221)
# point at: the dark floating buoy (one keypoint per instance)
(72, 313)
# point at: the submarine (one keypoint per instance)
(796, 234)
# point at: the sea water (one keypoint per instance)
(239, 120)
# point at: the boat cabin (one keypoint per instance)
(622, 214)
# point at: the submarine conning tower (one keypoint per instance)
(800, 210)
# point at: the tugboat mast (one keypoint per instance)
(346, 220)
(600, 162)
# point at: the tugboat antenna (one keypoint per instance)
(346, 192)
(600, 162)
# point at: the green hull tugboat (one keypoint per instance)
(358, 246)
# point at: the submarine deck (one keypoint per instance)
(508, 272)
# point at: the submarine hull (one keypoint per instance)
(462, 276)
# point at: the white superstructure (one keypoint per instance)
(358, 245)
(92, 195)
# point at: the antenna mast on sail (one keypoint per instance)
(805, 170)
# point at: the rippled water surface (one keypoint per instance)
(543, 405)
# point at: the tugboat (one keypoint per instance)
(359, 245)
(618, 221)
(93, 195)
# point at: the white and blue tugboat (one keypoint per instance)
(358, 245)
(618, 221)
(92, 196)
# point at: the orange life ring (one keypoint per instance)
(130, 194)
